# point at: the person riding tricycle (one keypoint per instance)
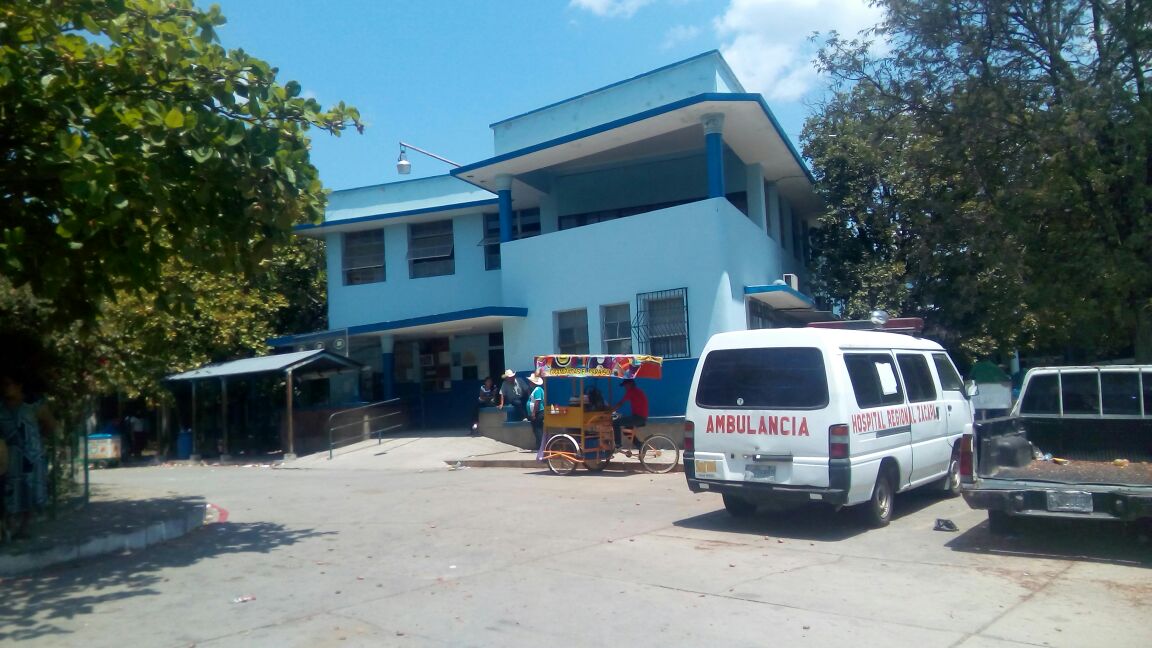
(579, 424)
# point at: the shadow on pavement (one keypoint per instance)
(817, 522)
(1080, 540)
(31, 602)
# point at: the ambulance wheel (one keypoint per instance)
(950, 484)
(878, 510)
(738, 506)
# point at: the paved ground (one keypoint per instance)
(401, 550)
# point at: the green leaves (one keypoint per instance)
(133, 141)
(998, 165)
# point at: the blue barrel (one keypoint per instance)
(184, 444)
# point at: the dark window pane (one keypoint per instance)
(917, 377)
(1041, 395)
(949, 378)
(776, 378)
(1120, 392)
(1080, 393)
(873, 378)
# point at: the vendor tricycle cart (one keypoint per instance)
(578, 418)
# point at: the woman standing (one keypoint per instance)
(536, 408)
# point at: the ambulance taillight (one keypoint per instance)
(838, 441)
(689, 436)
(966, 456)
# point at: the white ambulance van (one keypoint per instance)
(844, 417)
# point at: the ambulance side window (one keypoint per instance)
(949, 377)
(873, 378)
(917, 377)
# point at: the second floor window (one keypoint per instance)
(525, 224)
(363, 257)
(430, 249)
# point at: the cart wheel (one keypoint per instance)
(659, 454)
(561, 454)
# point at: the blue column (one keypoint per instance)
(504, 199)
(714, 148)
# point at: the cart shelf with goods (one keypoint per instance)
(578, 418)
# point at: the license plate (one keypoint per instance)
(1069, 501)
(759, 472)
(706, 466)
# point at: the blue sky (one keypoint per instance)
(436, 73)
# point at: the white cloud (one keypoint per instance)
(767, 41)
(622, 8)
(679, 34)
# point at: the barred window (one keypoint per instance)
(363, 257)
(616, 329)
(663, 323)
(430, 250)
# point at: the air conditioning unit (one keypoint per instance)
(792, 281)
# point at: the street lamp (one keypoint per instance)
(404, 167)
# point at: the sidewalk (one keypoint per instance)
(116, 520)
(112, 522)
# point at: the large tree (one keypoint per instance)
(990, 168)
(130, 138)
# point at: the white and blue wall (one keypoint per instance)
(705, 194)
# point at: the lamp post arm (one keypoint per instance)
(433, 155)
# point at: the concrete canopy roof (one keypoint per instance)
(750, 130)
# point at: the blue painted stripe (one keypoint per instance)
(379, 217)
(641, 116)
(377, 327)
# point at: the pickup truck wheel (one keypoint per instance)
(878, 510)
(1000, 523)
(738, 506)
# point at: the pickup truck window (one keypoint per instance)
(1120, 392)
(1080, 392)
(768, 378)
(873, 379)
(917, 377)
(1042, 395)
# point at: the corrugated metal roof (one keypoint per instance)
(265, 364)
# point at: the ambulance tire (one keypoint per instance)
(878, 510)
(738, 506)
(949, 485)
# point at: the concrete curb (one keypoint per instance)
(626, 465)
(150, 533)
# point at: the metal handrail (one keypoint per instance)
(364, 423)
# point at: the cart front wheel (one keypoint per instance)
(562, 455)
(659, 454)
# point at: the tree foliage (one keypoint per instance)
(132, 141)
(991, 169)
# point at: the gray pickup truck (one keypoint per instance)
(1077, 444)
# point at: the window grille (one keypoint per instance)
(662, 323)
(363, 257)
(525, 224)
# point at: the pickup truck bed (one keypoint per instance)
(1077, 471)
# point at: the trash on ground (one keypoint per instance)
(244, 599)
(943, 524)
(1120, 462)
(1060, 462)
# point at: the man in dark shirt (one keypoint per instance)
(638, 404)
(513, 393)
